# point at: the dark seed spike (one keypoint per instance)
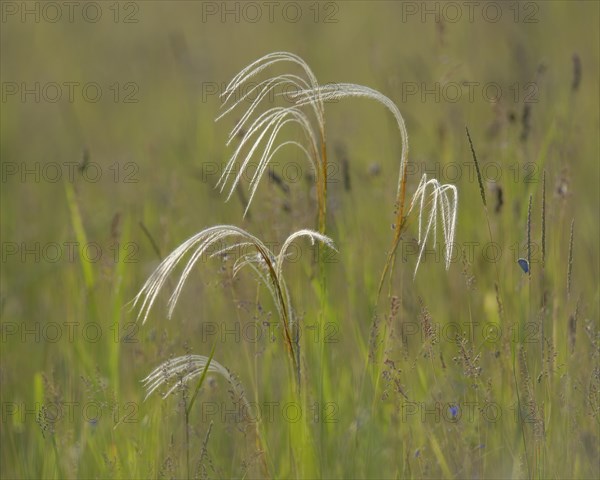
(544, 219)
(529, 234)
(576, 73)
(570, 268)
(481, 190)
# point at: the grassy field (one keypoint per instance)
(110, 155)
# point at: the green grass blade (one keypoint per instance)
(88, 272)
(202, 377)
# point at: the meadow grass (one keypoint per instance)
(470, 368)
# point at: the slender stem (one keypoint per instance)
(285, 314)
(187, 440)
(56, 456)
(519, 416)
(398, 228)
(323, 187)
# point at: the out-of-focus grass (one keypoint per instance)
(96, 424)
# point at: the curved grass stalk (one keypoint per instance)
(270, 270)
(332, 92)
(439, 192)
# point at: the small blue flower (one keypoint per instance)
(454, 410)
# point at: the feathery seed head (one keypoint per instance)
(442, 199)
(178, 371)
(269, 271)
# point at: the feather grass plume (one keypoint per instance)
(177, 371)
(267, 265)
(443, 200)
(261, 131)
(307, 110)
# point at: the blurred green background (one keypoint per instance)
(126, 157)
